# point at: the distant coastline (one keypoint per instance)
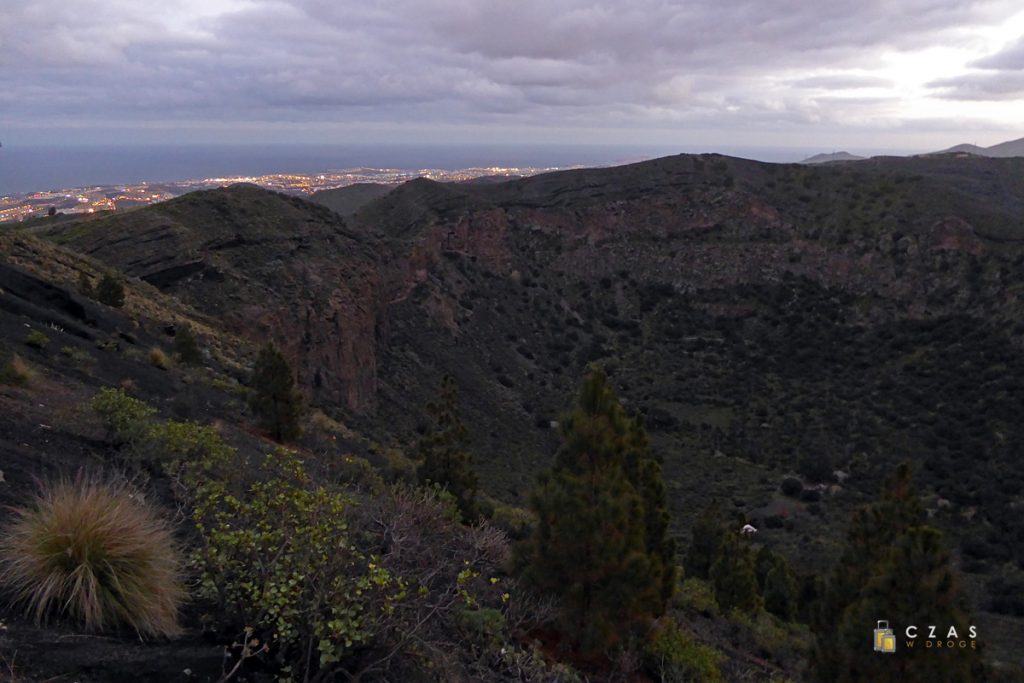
(38, 168)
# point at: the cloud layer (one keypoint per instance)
(560, 64)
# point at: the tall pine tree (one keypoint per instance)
(734, 575)
(444, 452)
(706, 538)
(600, 543)
(275, 399)
(895, 568)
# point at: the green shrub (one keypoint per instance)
(37, 340)
(399, 468)
(127, 420)
(483, 627)
(697, 595)
(358, 473)
(186, 442)
(95, 553)
(281, 559)
(110, 291)
(80, 358)
(676, 656)
(515, 521)
(186, 346)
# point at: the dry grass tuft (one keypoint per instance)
(92, 551)
(14, 370)
(159, 359)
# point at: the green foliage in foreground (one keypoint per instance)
(676, 656)
(281, 559)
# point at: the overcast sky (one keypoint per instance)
(854, 74)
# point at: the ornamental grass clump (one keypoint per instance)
(91, 552)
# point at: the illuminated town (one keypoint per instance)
(121, 197)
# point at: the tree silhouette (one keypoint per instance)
(110, 291)
(444, 452)
(600, 542)
(187, 346)
(275, 400)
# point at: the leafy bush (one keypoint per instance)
(186, 442)
(110, 291)
(399, 468)
(281, 559)
(484, 627)
(80, 358)
(697, 595)
(37, 340)
(94, 552)
(676, 656)
(515, 521)
(186, 346)
(127, 420)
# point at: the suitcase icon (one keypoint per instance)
(885, 639)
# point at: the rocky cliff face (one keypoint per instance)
(269, 267)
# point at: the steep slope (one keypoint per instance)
(265, 264)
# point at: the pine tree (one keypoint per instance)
(187, 346)
(734, 575)
(780, 591)
(444, 452)
(600, 543)
(895, 568)
(644, 472)
(110, 291)
(275, 400)
(706, 538)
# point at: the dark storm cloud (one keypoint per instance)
(452, 61)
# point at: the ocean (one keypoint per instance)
(37, 168)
